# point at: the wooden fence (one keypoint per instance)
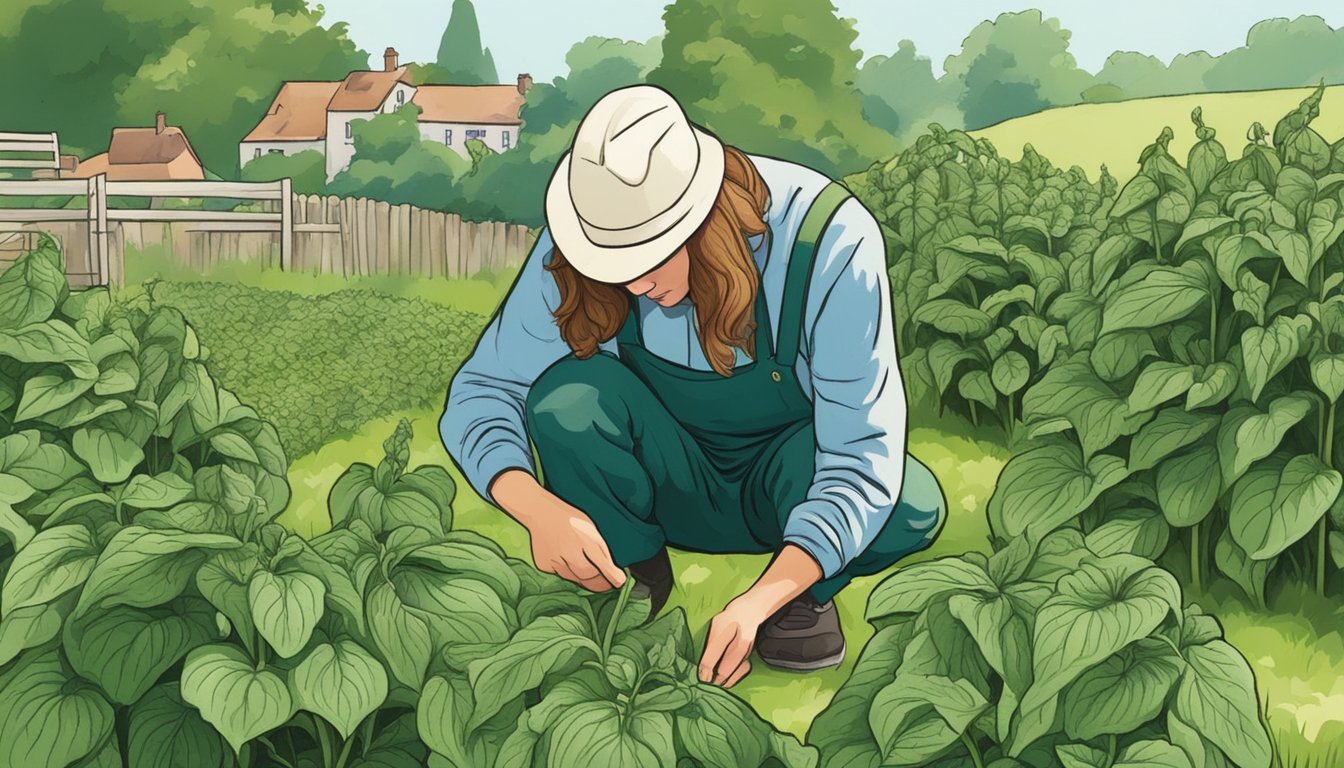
(28, 144)
(345, 236)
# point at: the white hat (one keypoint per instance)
(638, 182)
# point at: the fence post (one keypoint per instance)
(103, 257)
(286, 224)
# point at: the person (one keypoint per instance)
(700, 347)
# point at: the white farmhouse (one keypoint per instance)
(319, 115)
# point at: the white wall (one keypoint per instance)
(340, 150)
(407, 93)
(247, 150)
(493, 138)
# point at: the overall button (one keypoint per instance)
(775, 375)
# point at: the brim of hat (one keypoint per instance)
(622, 264)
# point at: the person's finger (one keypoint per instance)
(600, 558)
(715, 644)
(586, 576)
(739, 673)
(737, 652)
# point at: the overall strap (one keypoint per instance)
(799, 274)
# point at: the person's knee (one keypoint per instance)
(573, 397)
(923, 506)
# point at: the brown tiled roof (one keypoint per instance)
(140, 146)
(366, 91)
(497, 104)
(298, 113)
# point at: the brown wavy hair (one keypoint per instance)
(722, 275)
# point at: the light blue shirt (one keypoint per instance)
(847, 366)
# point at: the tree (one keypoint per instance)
(393, 163)
(901, 95)
(773, 77)
(307, 170)
(1135, 75)
(1282, 54)
(213, 68)
(1015, 65)
(461, 57)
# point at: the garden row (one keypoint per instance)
(1170, 357)
(153, 614)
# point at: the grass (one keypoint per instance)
(705, 583)
(1090, 135)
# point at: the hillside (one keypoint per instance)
(1089, 135)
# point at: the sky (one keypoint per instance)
(533, 35)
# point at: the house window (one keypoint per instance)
(256, 152)
(401, 97)
(349, 132)
(275, 151)
(448, 137)
(474, 133)
(506, 139)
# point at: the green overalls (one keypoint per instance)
(658, 453)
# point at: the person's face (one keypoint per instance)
(668, 284)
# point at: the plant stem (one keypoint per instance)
(975, 419)
(367, 739)
(973, 749)
(1157, 234)
(1110, 749)
(323, 740)
(621, 600)
(1327, 457)
(345, 752)
(1213, 327)
(1195, 570)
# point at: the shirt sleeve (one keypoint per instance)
(483, 422)
(857, 393)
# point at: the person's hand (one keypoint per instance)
(565, 542)
(732, 635)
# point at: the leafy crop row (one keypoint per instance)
(153, 614)
(321, 366)
(1174, 351)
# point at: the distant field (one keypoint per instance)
(1089, 135)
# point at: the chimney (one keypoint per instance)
(158, 122)
(524, 83)
(389, 59)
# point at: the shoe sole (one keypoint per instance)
(806, 666)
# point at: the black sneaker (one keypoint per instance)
(653, 580)
(803, 635)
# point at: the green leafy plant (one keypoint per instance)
(1064, 652)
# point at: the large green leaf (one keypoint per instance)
(1236, 251)
(1212, 386)
(1159, 382)
(1277, 503)
(1123, 692)
(1248, 435)
(1202, 752)
(52, 341)
(1171, 430)
(1269, 350)
(1141, 191)
(976, 386)
(125, 649)
(720, 731)
(1216, 696)
(592, 733)
(913, 587)
(30, 627)
(1045, 487)
(32, 287)
(833, 729)
(29, 464)
(545, 645)
(286, 608)
(1238, 566)
(952, 316)
(142, 567)
(56, 561)
(1188, 485)
(918, 716)
(441, 720)
(223, 580)
(111, 456)
(401, 637)
(46, 718)
(1140, 532)
(241, 701)
(1072, 391)
(1327, 373)
(1010, 372)
(45, 393)
(166, 733)
(340, 681)
(1098, 610)
(1151, 754)
(159, 491)
(1004, 640)
(1164, 295)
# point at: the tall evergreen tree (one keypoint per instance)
(461, 56)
